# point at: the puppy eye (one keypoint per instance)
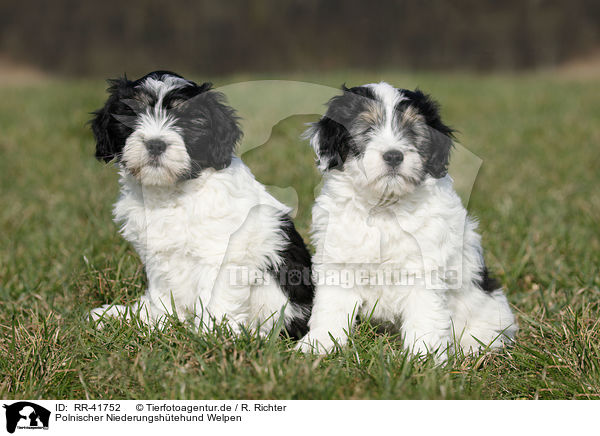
(173, 104)
(134, 105)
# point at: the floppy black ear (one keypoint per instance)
(104, 146)
(330, 136)
(439, 153)
(440, 135)
(223, 131)
(331, 142)
(109, 132)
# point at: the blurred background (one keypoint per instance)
(91, 38)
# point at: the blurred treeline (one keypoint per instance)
(211, 36)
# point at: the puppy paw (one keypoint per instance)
(316, 344)
(431, 344)
(207, 324)
(475, 342)
(100, 314)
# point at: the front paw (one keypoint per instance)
(208, 323)
(428, 344)
(317, 344)
(100, 314)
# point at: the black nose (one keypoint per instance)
(393, 157)
(155, 146)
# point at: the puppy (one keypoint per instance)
(215, 244)
(389, 219)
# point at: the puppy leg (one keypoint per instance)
(482, 319)
(229, 301)
(142, 308)
(100, 314)
(333, 317)
(266, 303)
(426, 323)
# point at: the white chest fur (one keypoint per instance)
(430, 243)
(184, 234)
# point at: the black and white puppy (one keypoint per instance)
(215, 244)
(393, 241)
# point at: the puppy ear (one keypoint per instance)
(439, 153)
(330, 136)
(223, 130)
(107, 146)
(330, 141)
(104, 146)
(440, 136)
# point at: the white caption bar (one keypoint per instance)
(296, 417)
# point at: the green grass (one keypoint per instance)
(536, 195)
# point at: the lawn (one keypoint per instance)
(536, 196)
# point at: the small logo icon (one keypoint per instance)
(26, 415)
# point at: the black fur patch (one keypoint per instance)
(110, 133)
(209, 127)
(294, 276)
(335, 141)
(428, 107)
(177, 97)
(439, 144)
(487, 283)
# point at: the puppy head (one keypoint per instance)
(163, 128)
(389, 140)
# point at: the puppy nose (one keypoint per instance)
(393, 157)
(155, 146)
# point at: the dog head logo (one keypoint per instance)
(26, 415)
